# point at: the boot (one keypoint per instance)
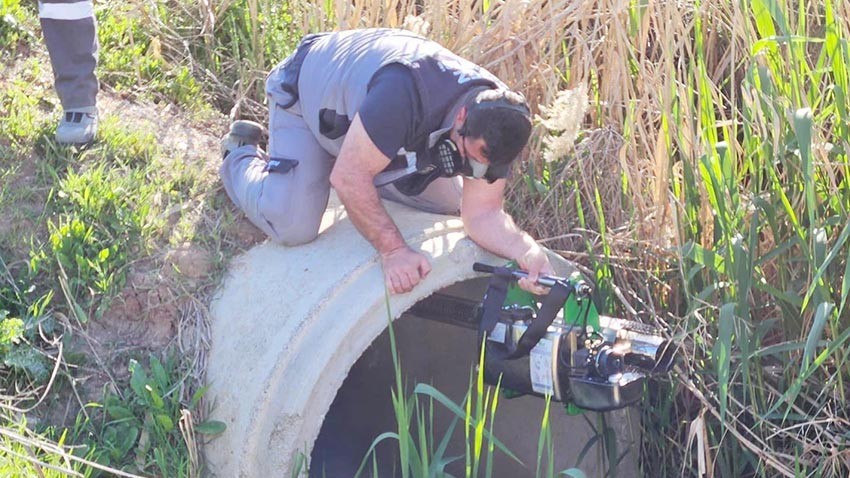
(78, 126)
(242, 132)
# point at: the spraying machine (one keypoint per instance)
(558, 344)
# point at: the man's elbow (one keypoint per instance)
(337, 179)
(346, 181)
(471, 225)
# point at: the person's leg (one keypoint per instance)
(443, 196)
(71, 36)
(286, 203)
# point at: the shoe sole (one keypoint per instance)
(248, 131)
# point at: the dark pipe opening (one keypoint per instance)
(442, 354)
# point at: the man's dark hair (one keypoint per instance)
(503, 119)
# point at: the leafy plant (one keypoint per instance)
(145, 429)
(28, 454)
(14, 25)
(24, 323)
(132, 58)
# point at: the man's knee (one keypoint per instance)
(285, 224)
(293, 236)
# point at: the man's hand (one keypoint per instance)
(403, 269)
(536, 263)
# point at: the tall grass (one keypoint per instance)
(423, 450)
(709, 189)
(724, 212)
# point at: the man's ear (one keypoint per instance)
(460, 117)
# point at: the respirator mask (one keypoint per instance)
(452, 163)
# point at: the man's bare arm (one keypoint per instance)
(352, 177)
(486, 222)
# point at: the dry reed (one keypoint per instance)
(663, 78)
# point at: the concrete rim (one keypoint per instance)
(281, 350)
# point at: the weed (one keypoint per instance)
(144, 428)
(15, 26)
(23, 121)
(424, 451)
(22, 323)
(24, 454)
(131, 58)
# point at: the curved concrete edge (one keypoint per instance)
(289, 323)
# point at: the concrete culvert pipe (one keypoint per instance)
(290, 324)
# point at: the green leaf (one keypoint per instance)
(196, 397)
(723, 353)
(427, 390)
(80, 313)
(704, 257)
(380, 438)
(26, 359)
(138, 380)
(118, 412)
(156, 400)
(822, 266)
(164, 421)
(822, 313)
(159, 373)
(211, 427)
(11, 330)
(845, 285)
(574, 473)
(778, 349)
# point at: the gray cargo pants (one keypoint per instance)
(70, 34)
(288, 205)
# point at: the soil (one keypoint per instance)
(158, 306)
(147, 315)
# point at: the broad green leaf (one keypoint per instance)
(117, 412)
(11, 330)
(25, 358)
(761, 15)
(159, 374)
(704, 257)
(156, 400)
(165, 422)
(845, 284)
(211, 427)
(822, 267)
(198, 395)
(138, 380)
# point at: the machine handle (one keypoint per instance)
(581, 288)
(481, 267)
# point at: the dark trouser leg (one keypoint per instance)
(70, 35)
